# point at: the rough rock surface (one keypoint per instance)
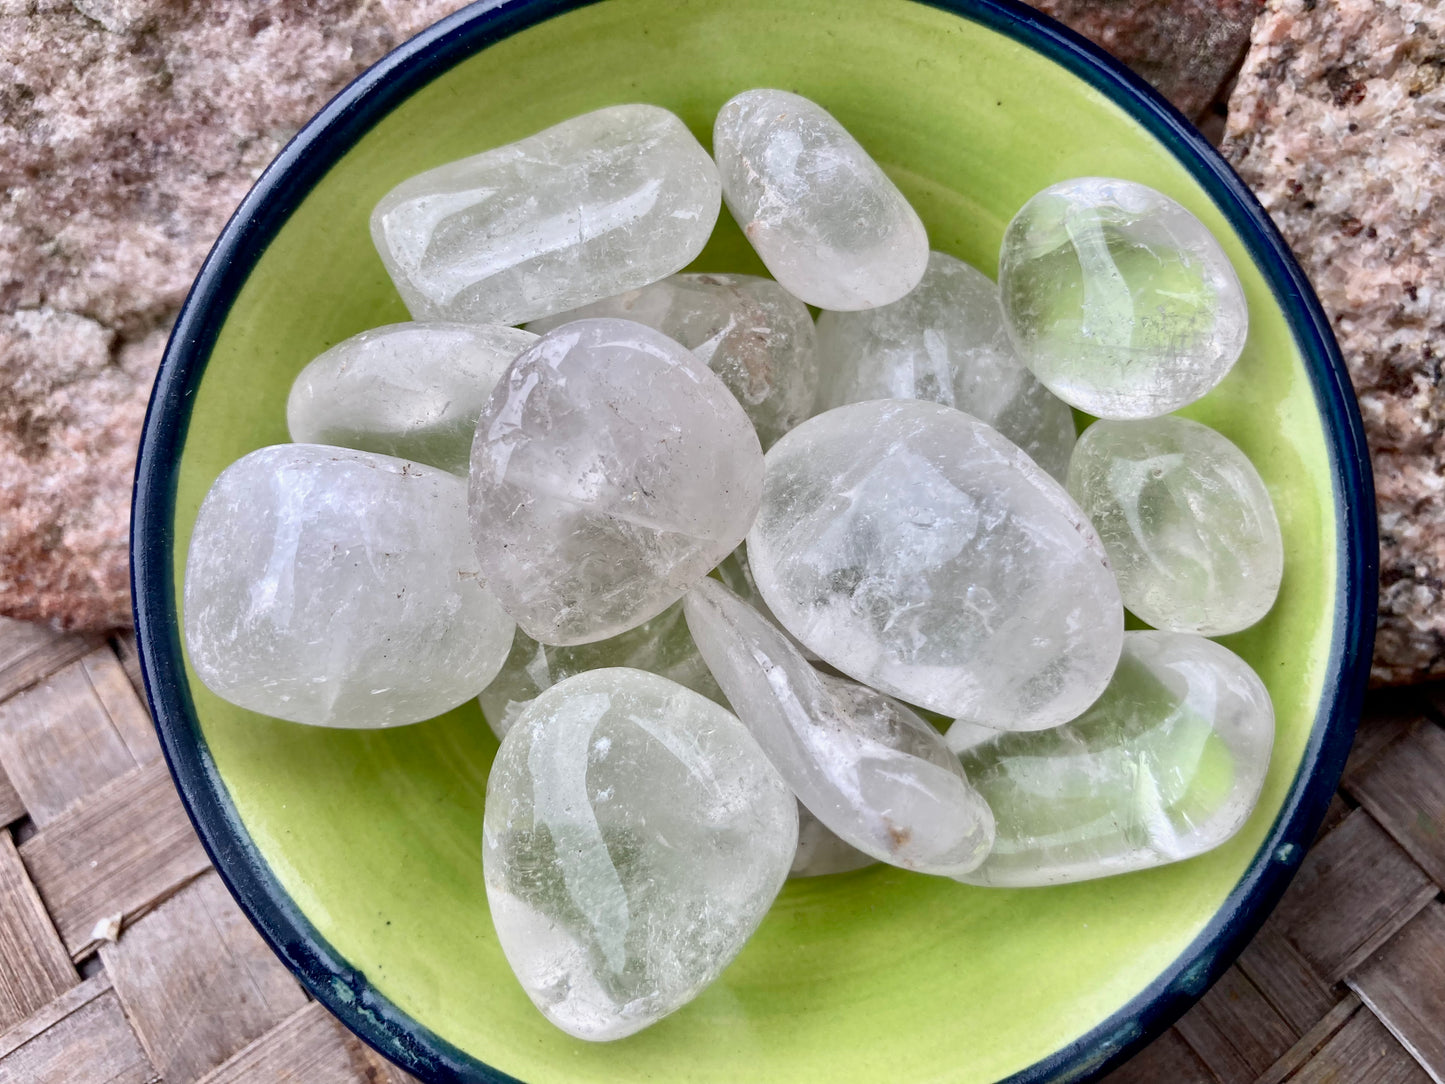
(129, 130)
(1338, 124)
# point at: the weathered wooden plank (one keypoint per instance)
(1168, 1058)
(1388, 714)
(1403, 787)
(197, 981)
(1404, 984)
(34, 966)
(1362, 1052)
(52, 1012)
(120, 851)
(1235, 1031)
(1310, 1042)
(129, 654)
(310, 1047)
(1354, 889)
(1335, 813)
(31, 652)
(126, 709)
(91, 1043)
(11, 807)
(1285, 978)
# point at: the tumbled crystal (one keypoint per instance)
(1166, 765)
(749, 330)
(661, 646)
(611, 470)
(634, 837)
(1186, 520)
(408, 390)
(919, 552)
(872, 771)
(737, 577)
(339, 588)
(945, 342)
(1119, 299)
(821, 853)
(602, 203)
(826, 220)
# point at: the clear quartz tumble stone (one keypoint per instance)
(634, 837)
(1168, 764)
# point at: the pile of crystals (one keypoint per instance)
(706, 663)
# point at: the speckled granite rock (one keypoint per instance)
(129, 129)
(1338, 124)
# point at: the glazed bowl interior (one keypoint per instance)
(357, 853)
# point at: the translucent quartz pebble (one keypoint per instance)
(1166, 765)
(737, 577)
(634, 837)
(1186, 520)
(749, 330)
(409, 390)
(828, 223)
(611, 470)
(820, 852)
(918, 551)
(1120, 300)
(339, 588)
(660, 646)
(872, 771)
(588, 208)
(945, 342)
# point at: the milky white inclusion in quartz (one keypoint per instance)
(596, 205)
(945, 342)
(872, 771)
(660, 646)
(1186, 520)
(821, 853)
(918, 551)
(634, 837)
(749, 330)
(1119, 299)
(408, 390)
(1166, 765)
(826, 220)
(339, 588)
(611, 470)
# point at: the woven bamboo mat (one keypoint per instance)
(123, 960)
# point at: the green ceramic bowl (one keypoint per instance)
(357, 853)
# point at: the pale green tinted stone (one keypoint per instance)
(1118, 299)
(339, 588)
(588, 208)
(660, 646)
(408, 390)
(749, 330)
(945, 342)
(634, 837)
(1165, 766)
(1187, 522)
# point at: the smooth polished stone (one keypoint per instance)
(339, 588)
(409, 390)
(598, 204)
(821, 853)
(611, 470)
(1168, 764)
(749, 330)
(945, 342)
(634, 837)
(737, 577)
(826, 220)
(918, 551)
(872, 771)
(1119, 299)
(1186, 520)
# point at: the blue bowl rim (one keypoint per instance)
(305, 160)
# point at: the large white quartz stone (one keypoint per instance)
(945, 342)
(408, 390)
(596, 205)
(1119, 299)
(826, 220)
(1187, 522)
(634, 837)
(749, 330)
(1167, 764)
(660, 646)
(821, 853)
(918, 551)
(872, 771)
(611, 470)
(339, 588)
